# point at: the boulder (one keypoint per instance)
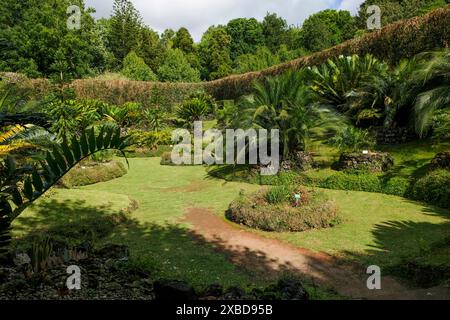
(372, 161)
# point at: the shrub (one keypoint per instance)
(434, 188)
(316, 211)
(397, 186)
(355, 182)
(193, 110)
(135, 68)
(351, 139)
(86, 175)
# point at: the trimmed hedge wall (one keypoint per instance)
(392, 43)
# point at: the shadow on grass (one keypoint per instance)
(173, 251)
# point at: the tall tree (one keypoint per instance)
(246, 36)
(327, 28)
(176, 68)
(34, 38)
(274, 30)
(183, 41)
(214, 52)
(125, 29)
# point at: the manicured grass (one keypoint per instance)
(376, 228)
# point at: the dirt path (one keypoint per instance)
(260, 254)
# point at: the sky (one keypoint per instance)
(198, 15)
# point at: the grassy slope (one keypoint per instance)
(377, 229)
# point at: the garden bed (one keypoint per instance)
(273, 210)
(83, 175)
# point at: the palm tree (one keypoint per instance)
(284, 103)
(342, 83)
(434, 76)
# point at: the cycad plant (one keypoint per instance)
(21, 185)
(284, 103)
(434, 76)
(339, 81)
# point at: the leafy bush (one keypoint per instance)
(397, 186)
(83, 176)
(315, 211)
(351, 139)
(193, 110)
(135, 68)
(355, 182)
(434, 188)
(150, 139)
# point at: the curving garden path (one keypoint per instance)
(250, 250)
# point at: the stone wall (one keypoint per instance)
(373, 161)
(393, 135)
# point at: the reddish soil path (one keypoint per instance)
(269, 256)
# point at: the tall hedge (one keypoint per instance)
(392, 43)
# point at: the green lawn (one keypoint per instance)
(377, 228)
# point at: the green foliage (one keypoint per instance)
(351, 139)
(21, 185)
(315, 212)
(183, 41)
(150, 139)
(275, 31)
(441, 124)
(214, 51)
(36, 41)
(278, 194)
(262, 59)
(176, 68)
(191, 110)
(246, 36)
(86, 175)
(336, 82)
(70, 117)
(326, 29)
(434, 73)
(434, 188)
(283, 103)
(154, 119)
(135, 68)
(394, 10)
(124, 32)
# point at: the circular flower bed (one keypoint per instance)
(278, 210)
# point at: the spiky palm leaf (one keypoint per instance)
(21, 186)
(435, 76)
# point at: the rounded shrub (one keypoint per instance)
(434, 188)
(315, 211)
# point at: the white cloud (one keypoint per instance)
(351, 5)
(198, 15)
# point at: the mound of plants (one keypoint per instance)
(278, 210)
(434, 188)
(91, 173)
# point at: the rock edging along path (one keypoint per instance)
(270, 256)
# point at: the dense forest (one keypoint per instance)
(34, 40)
